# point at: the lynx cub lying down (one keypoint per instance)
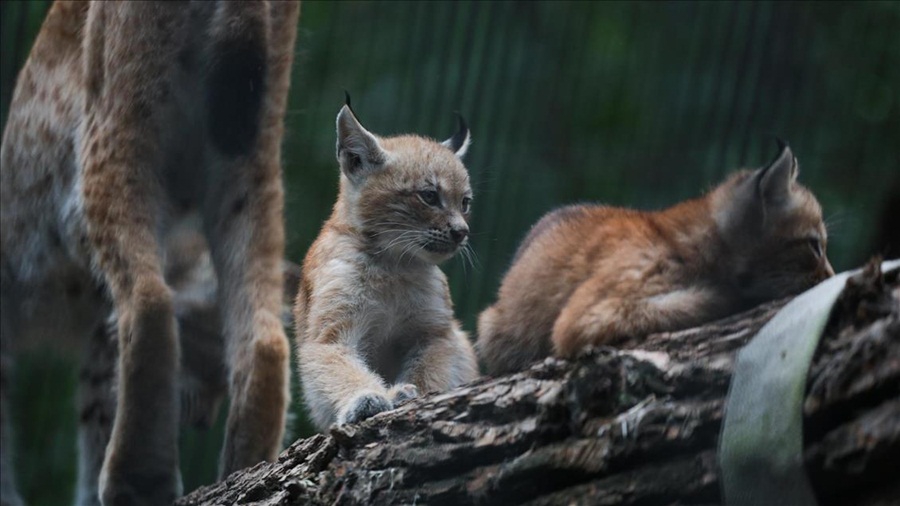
(375, 323)
(607, 273)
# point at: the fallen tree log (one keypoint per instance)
(635, 424)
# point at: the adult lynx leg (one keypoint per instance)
(243, 218)
(121, 151)
(96, 411)
(141, 460)
(9, 495)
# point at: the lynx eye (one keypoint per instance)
(430, 197)
(816, 246)
(466, 202)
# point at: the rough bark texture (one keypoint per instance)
(636, 424)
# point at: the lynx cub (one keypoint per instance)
(374, 319)
(126, 117)
(606, 273)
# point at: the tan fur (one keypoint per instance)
(606, 273)
(126, 117)
(374, 318)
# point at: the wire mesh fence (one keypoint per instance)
(635, 104)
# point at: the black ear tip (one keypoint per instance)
(347, 101)
(347, 104)
(463, 126)
(458, 141)
(781, 143)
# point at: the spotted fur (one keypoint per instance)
(127, 117)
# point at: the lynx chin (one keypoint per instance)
(606, 273)
(374, 318)
(128, 121)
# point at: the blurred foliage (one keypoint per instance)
(637, 104)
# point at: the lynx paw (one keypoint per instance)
(140, 489)
(363, 406)
(403, 392)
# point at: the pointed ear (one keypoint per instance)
(460, 141)
(762, 193)
(358, 151)
(774, 182)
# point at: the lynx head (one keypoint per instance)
(408, 196)
(773, 229)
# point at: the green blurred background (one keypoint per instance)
(637, 104)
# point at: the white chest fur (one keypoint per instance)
(398, 307)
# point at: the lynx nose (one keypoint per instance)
(829, 270)
(459, 233)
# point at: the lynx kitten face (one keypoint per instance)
(409, 195)
(773, 229)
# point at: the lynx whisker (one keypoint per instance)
(400, 239)
(462, 260)
(411, 248)
(392, 231)
(473, 256)
(465, 258)
(836, 220)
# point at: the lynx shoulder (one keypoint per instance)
(127, 118)
(606, 273)
(374, 319)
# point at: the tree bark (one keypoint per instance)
(634, 424)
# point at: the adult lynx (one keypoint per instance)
(126, 117)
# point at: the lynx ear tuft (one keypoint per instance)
(765, 192)
(461, 140)
(774, 181)
(358, 151)
(778, 140)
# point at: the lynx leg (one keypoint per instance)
(141, 462)
(96, 411)
(591, 318)
(9, 495)
(337, 385)
(243, 218)
(247, 250)
(444, 363)
(248, 258)
(506, 345)
(121, 156)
